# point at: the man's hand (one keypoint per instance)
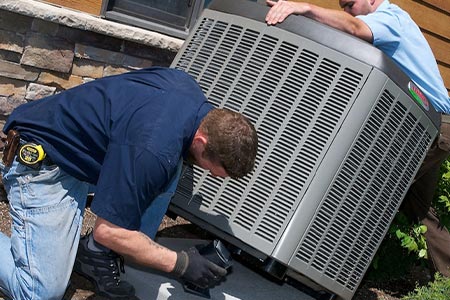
(282, 9)
(341, 20)
(194, 268)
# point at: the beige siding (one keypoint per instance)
(90, 6)
(440, 4)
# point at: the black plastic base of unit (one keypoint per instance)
(318, 295)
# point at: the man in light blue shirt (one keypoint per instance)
(392, 30)
(396, 34)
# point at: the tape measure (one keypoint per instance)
(31, 154)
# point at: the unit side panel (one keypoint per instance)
(365, 194)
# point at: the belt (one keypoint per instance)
(27, 153)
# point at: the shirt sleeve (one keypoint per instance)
(386, 30)
(129, 180)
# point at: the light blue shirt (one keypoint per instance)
(398, 36)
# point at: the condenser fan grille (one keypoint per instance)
(241, 69)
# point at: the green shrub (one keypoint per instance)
(405, 244)
(441, 200)
(391, 261)
(394, 258)
(439, 289)
(411, 237)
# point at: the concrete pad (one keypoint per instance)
(240, 284)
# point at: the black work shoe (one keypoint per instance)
(103, 270)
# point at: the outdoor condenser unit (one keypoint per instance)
(342, 132)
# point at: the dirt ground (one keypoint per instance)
(82, 289)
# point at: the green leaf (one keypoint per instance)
(399, 234)
(422, 253)
(423, 229)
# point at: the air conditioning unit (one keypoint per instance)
(342, 132)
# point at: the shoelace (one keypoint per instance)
(115, 267)
(118, 267)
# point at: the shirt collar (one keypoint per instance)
(384, 5)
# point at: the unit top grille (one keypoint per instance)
(295, 93)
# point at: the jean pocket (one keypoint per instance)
(40, 188)
(54, 210)
(34, 175)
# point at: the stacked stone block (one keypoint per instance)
(39, 58)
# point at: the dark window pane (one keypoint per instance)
(170, 12)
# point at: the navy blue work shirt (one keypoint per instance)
(124, 133)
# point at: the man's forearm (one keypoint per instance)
(340, 20)
(134, 245)
(337, 19)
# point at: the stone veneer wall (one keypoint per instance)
(45, 49)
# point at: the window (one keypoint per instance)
(171, 17)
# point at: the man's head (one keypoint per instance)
(359, 7)
(225, 144)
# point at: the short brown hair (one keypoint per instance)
(232, 141)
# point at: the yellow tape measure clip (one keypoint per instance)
(30, 154)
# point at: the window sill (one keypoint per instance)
(92, 23)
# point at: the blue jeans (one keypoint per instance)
(46, 207)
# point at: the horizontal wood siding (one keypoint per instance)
(433, 18)
(90, 6)
(439, 4)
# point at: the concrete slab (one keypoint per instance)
(241, 283)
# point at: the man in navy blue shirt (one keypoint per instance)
(125, 134)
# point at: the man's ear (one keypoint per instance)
(199, 142)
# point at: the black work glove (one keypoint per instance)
(191, 266)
